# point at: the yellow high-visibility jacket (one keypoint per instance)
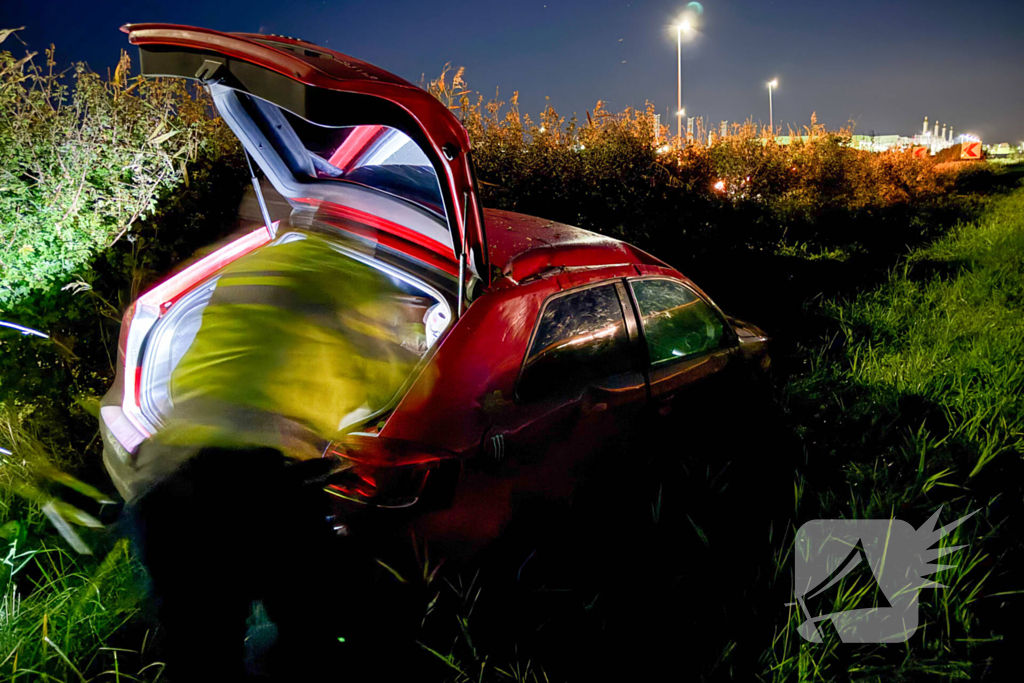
(297, 343)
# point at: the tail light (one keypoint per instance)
(389, 473)
(146, 313)
(389, 487)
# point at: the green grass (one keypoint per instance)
(917, 400)
(947, 329)
(62, 612)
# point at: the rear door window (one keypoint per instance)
(580, 337)
(677, 323)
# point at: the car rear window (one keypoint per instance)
(581, 336)
(380, 157)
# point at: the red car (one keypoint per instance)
(546, 340)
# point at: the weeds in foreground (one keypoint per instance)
(61, 608)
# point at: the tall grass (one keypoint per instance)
(916, 401)
(60, 609)
(912, 401)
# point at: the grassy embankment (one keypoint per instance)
(916, 401)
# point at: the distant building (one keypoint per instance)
(881, 143)
(789, 139)
(999, 151)
(936, 138)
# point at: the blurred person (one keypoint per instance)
(297, 344)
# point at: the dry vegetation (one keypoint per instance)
(619, 174)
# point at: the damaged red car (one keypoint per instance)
(546, 339)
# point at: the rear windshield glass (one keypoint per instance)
(379, 157)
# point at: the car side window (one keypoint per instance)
(581, 336)
(677, 323)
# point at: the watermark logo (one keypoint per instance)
(863, 576)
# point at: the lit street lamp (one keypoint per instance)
(683, 27)
(774, 83)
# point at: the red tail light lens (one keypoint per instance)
(381, 486)
(168, 291)
(384, 472)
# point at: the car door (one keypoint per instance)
(686, 339)
(581, 381)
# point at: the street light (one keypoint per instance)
(683, 27)
(774, 83)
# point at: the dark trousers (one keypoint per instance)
(234, 526)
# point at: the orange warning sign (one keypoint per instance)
(920, 152)
(970, 150)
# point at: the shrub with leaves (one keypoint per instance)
(105, 184)
(84, 159)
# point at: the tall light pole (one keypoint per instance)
(683, 27)
(774, 83)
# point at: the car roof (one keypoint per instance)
(522, 246)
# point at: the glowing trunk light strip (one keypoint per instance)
(138, 383)
(153, 304)
(171, 289)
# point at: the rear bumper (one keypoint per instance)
(116, 460)
(121, 441)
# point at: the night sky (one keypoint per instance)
(884, 65)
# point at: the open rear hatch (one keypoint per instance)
(337, 133)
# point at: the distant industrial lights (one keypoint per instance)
(774, 83)
(681, 112)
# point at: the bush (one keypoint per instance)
(84, 161)
(621, 175)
